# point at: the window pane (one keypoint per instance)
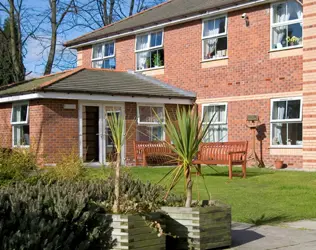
(295, 132)
(143, 60)
(21, 135)
(220, 113)
(293, 109)
(220, 25)
(209, 28)
(109, 49)
(149, 133)
(215, 48)
(97, 64)
(216, 133)
(109, 63)
(97, 51)
(287, 134)
(279, 13)
(279, 110)
(294, 10)
(279, 37)
(279, 133)
(19, 113)
(149, 114)
(156, 39)
(142, 42)
(157, 58)
(294, 34)
(214, 27)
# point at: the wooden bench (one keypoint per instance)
(226, 153)
(157, 151)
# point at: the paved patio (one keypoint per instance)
(296, 235)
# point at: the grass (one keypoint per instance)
(265, 197)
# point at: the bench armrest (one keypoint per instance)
(237, 152)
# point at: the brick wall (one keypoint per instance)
(5, 125)
(53, 129)
(309, 89)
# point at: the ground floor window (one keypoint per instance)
(217, 114)
(20, 125)
(286, 122)
(149, 119)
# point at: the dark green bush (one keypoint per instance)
(56, 216)
(16, 164)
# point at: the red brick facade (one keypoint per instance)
(251, 70)
(5, 125)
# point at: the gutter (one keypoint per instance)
(174, 22)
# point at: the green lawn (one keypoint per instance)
(265, 197)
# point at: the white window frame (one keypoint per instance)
(273, 121)
(19, 124)
(286, 23)
(149, 48)
(158, 124)
(103, 48)
(214, 36)
(216, 123)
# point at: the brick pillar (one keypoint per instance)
(309, 86)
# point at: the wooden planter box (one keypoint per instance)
(198, 227)
(133, 232)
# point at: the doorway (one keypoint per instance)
(95, 137)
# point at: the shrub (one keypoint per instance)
(70, 167)
(16, 164)
(56, 216)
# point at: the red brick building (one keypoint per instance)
(240, 58)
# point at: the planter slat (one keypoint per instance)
(199, 227)
(133, 232)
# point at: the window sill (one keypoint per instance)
(286, 150)
(152, 71)
(286, 52)
(218, 62)
(20, 146)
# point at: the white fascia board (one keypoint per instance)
(178, 21)
(96, 97)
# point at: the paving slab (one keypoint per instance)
(250, 237)
(302, 224)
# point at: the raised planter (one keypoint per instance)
(198, 227)
(133, 232)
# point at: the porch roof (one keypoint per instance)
(98, 81)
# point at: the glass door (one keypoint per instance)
(109, 149)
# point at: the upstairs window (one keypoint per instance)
(149, 126)
(103, 56)
(286, 24)
(286, 122)
(149, 50)
(217, 113)
(214, 38)
(20, 125)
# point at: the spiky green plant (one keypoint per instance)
(116, 124)
(186, 135)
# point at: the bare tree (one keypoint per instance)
(58, 12)
(23, 24)
(94, 14)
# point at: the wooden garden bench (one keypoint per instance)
(225, 153)
(155, 151)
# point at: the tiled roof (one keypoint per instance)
(99, 81)
(168, 11)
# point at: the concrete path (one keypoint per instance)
(293, 236)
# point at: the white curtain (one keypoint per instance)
(97, 51)
(210, 29)
(294, 10)
(142, 43)
(278, 126)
